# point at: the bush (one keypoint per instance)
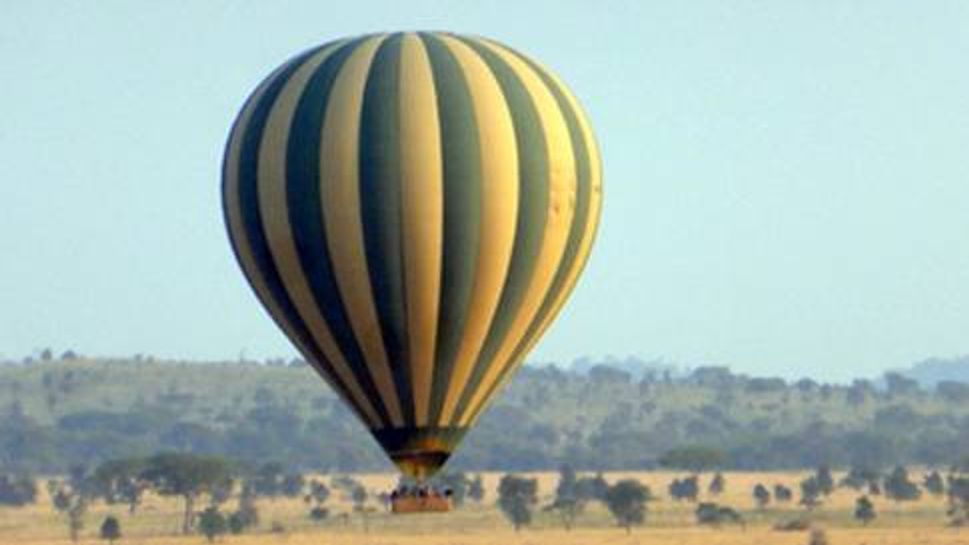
(711, 514)
(17, 491)
(211, 523)
(516, 496)
(793, 525)
(319, 514)
(626, 501)
(110, 529)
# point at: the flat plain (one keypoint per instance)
(669, 522)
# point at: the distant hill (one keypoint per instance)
(636, 367)
(935, 370)
(57, 413)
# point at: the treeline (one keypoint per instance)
(628, 499)
(57, 413)
(217, 495)
(220, 496)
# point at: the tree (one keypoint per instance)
(516, 496)
(359, 497)
(246, 514)
(292, 485)
(685, 489)
(782, 494)
(695, 458)
(456, 482)
(761, 496)
(211, 523)
(825, 481)
(568, 503)
(626, 501)
(236, 523)
(899, 488)
(568, 484)
(71, 502)
(17, 490)
(859, 476)
(958, 495)
(267, 480)
(711, 514)
(110, 529)
(810, 493)
(717, 484)
(592, 488)
(934, 484)
(317, 496)
(188, 476)
(476, 489)
(865, 510)
(900, 385)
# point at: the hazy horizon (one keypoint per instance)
(785, 184)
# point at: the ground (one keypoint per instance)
(668, 522)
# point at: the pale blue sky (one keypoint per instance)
(787, 183)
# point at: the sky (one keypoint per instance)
(786, 183)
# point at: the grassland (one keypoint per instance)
(669, 522)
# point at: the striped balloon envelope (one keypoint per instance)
(413, 210)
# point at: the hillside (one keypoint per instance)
(935, 370)
(57, 413)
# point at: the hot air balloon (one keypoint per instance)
(413, 210)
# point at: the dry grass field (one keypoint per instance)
(668, 522)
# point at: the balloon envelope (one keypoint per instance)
(413, 210)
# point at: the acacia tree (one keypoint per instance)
(687, 488)
(568, 503)
(212, 523)
(934, 484)
(626, 501)
(810, 493)
(899, 488)
(188, 476)
(782, 493)
(958, 494)
(71, 501)
(110, 529)
(117, 481)
(761, 496)
(865, 510)
(717, 484)
(825, 480)
(317, 496)
(516, 496)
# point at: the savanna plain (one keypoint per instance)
(668, 522)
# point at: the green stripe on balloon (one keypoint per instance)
(462, 211)
(380, 208)
(306, 216)
(532, 212)
(583, 169)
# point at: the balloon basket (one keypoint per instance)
(406, 505)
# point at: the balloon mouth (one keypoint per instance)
(420, 465)
(419, 453)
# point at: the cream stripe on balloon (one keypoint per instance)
(340, 196)
(562, 188)
(499, 209)
(422, 216)
(589, 231)
(273, 206)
